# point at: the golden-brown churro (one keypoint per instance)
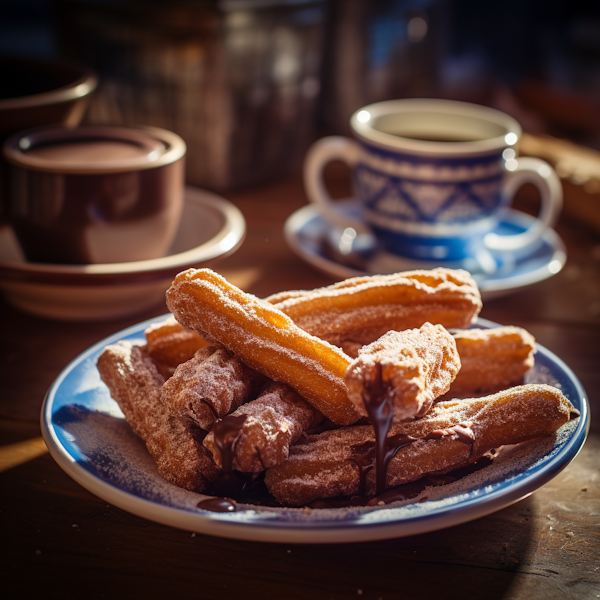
(451, 435)
(258, 435)
(210, 385)
(174, 443)
(492, 359)
(357, 311)
(264, 338)
(169, 345)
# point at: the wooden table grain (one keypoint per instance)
(60, 541)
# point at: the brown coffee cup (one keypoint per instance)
(95, 194)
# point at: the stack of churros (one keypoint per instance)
(343, 391)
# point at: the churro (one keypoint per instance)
(451, 435)
(264, 338)
(357, 311)
(169, 345)
(492, 359)
(258, 435)
(409, 369)
(209, 386)
(174, 443)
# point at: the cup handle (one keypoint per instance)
(324, 151)
(543, 176)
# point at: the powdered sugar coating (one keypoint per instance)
(210, 385)
(274, 421)
(135, 384)
(415, 366)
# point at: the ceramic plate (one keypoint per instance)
(87, 435)
(306, 233)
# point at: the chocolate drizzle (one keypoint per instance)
(226, 434)
(218, 505)
(378, 403)
(378, 454)
(365, 456)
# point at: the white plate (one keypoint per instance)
(306, 233)
(87, 435)
(210, 229)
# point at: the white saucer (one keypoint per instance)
(210, 229)
(307, 232)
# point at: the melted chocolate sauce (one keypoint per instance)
(248, 488)
(365, 456)
(218, 505)
(378, 403)
(226, 433)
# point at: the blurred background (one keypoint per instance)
(249, 84)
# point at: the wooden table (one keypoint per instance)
(59, 540)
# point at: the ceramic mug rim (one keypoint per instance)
(175, 148)
(396, 143)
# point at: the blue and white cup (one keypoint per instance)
(433, 178)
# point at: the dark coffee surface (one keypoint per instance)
(435, 137)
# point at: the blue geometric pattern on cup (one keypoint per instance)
(425, 201)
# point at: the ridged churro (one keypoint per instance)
(209, 386)
(357, 311)
(258, 435)
(264, 338)
(492, 359)
(174, 443)
(169, 345)
(451, 435)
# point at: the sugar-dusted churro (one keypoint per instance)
(175, 444)
(209, 386)
(398, 377)
(492, 359)
(451, 435)
(264, 338)
(357, 311)
(169, 345)
(258, 435)
(408, 369)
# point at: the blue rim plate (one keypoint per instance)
(306, 232)
(87, 435)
